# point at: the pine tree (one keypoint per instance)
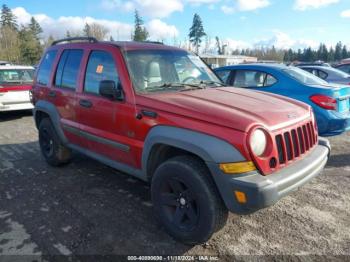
(35, 28)
(8, 18)
(140, 32)
(338, 51)
(331, 55)
(87, 30)
(344, 52)
(196, 32)
(30, 47)
(218, 46)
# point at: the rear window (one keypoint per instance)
(16, 76)
(45, 68)
(303, 77)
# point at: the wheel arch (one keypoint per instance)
(164, 142)
(46, 109)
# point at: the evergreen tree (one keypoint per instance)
(331, 55)
(35, 28)
(140, 32)
(30, 47)
(338, 51)
(8, 18)
(219, 46)
(87, 30)
(344, 52)
(196, 32)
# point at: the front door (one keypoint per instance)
(103, 122)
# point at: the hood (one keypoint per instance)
(231, 107)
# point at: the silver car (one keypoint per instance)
(329, 74)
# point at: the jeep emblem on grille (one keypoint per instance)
(292, 115)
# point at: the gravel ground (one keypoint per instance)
(86, 208)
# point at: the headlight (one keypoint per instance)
(258, 142)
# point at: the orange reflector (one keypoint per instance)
(241, 197)
(237, 168)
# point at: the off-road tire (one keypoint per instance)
(205, 206)
(54, 152)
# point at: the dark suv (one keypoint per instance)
(160, 114)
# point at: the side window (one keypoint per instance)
(253, 79)
(44, 72)
(224, 75)
(270, 80)
(101, 66)
(322, 74)
(68, 69)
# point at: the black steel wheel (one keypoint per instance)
(186, 201)
(54, 152)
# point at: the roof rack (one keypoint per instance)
(70, 39)
(152, 42)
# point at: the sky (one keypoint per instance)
(238, 23)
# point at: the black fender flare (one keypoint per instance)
(51, 111)
(207, 147)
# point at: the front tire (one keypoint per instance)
(54, 152)
(186, 200)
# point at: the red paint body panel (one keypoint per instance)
(15, 88)
(227, 113)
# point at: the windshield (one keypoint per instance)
(304, 77)
(16, 76)
(168, 70)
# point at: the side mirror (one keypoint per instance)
(109, 89)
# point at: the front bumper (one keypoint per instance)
(264, 191)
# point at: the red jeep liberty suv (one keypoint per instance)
(160, 114)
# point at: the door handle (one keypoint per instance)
(85, 103)
(52, 94)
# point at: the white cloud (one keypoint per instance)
(282, 40)
(303, 5)
(245, 5)
(345, 13)
(227, 9)
(120, 31)
(202, 1)
(160, 30)
(151, 8)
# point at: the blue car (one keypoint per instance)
(330, 102)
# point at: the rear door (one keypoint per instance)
(63, 92)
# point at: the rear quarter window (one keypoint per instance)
(45, 68)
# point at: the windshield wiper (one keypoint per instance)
(211, 82)
(183, 86)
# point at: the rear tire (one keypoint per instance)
(186, 200)
(54, 152)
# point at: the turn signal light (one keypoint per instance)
(241, 197)
(237, 168)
